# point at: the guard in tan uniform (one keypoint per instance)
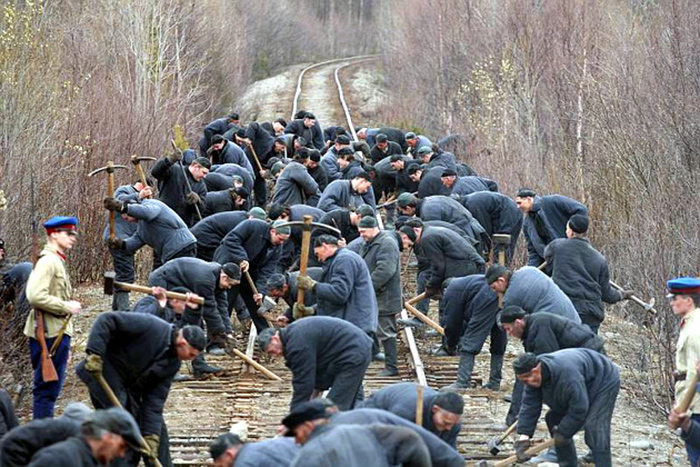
(49, 325)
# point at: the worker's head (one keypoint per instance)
(528, 369)
(342, 141)
(279, 125)
(513, 319)
(190, 342)
(270, 342)
(577, 226)
(415, 173)
(279, 232)
(382, 141)
(325, 246)
(224, 449)
(368, 228)
(525, 199)
(424, 153)
(109, 432)
(497, 277)
(277, 286)
(361, 183)
(217, 142)
(303, 420)
(309, 120)
(396, 162)
(447, 410)
(448, 178)
(407, 204)
(684, 295)
(199, 168)
(229, 276)
(411, 139)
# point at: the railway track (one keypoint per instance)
(198, 411)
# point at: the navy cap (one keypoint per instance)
(526, 192)
(61, 224)
(423, 150)
(195, 337)
(578, 223)
(304, 412)
(381, 138)
(448, 173)
(117, 421)
(342, 139)
(410, 135)
(683, 286)
(345, 152)
(396, 157)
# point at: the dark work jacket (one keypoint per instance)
(317, 348)
(262, 143)
(274, 452)
(497, 213)
(122, 227)
(211, 230)
(546, 333)
(533, 291)
(377, 154)
(472, 184)
(431, 183)
(572, 380)
(73, 452)
(473, 300)
(404, 184)
(149, 305)
(392, 134)
(320, 176)
(233, 169)
(444, 208)
(340, 219)
(373, 445)
(313, 135)
(141, 350)
(173, 187)
(158, 227)
(345, 291)
(339, 194)
(250, 241)
(8, 419)
(553, 212)
(296, 186)
(220, 201)
(441, 453)
(443, 159)
(216, 127)
(329, 162)
(449, 255)
(400, 399)
(330, 133)
(231, 153)
(581, 272)
(20, 444)
(293, 292)
(215, 181)
(383, 260)
(202, 278)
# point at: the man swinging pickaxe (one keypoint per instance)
(109, 168)
(136, 160)
(299, 310)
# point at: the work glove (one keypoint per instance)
(521, 446)
(300, 311)
(116, 244)
(306, 283)
(433, 292)
(112, 204)
(559, 439)
(174, 157)
(153, 442)
(93, 364)
(627, 294)
(192, 198)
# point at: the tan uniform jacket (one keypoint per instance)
(49, 290)
(688, 354)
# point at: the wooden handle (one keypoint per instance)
(420, 391)
(688, 395)
(251, 283)
(304, 260)
(510, 430)
(411, 309)
(532, 451)
(110, 193)
(255, 156)
(256, 365)
(416, 299)
(149, 291)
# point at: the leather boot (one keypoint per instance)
(464, 373)
(390, 368)
(201, 368)
(494, 383)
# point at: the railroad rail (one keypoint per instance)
(199, 410)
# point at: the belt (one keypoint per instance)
(679, 376)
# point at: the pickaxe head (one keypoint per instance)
(500, 239)
(267, 305)
(109, 168)
(313, 224)
(138, 159)
(109, 277)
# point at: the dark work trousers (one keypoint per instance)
(207, 254)
(259, 188)
(346, 388)
(693, 452)
(243, 290)
(187, 252)
(124, 271)
(597, 426)
(421, 281)
(516, 402)
(130, 402)
(46, 393)
(591, 321)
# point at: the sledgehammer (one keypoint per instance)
(111, 283)
(513, 459)
(496, 441)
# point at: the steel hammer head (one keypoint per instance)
(500, 239)
(109, 277)
(493, 446)
(267, 305)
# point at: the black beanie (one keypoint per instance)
(409, 232)
(525, 363)
(194, 335)
(511, 313)
(494, 272)
(578, 223)
(450, 402)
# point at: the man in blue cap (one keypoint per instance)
(49, 293)
(684, 294)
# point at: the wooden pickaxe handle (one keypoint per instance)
(149, 290)
(304, 259)
(647, 306)
(255, 157)
(531, 452)
(507, 433)
(420, 392)
(688, 395)
(416, 299)
(411, 309)
(251, 283)
(256, 365)
(115, 402)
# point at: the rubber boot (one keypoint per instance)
(494, 383)
(390, 368)
(120, 301)
(200, 368)
(464, 373)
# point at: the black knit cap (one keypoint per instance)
(367, 222)
(315, 156)
(203, 161)
(325, 238)
(450, 402)
(217, 139)
(223, 443)
(578, 223)
(234, 116)
(346, 152)
(342, 139)
(281, 121)
(494, 272)
(232, 270)
(365, 210)
(304, 412)
(448, 173)
(242, 192)
(195, 337)
(310, 115)
(510, 313)
(409, 232)
(525, 363)
(413, 169)
(363, 175)
(396, 157)
(240, 133)
(526, 192)
(275, 211)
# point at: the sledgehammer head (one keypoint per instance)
(109, 277)
(493, 447)
(500, 239)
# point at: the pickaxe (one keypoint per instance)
(136, 160)
(267, 304)
(110, 284)
(501, 242)
(184, 174)
(414, 311)
(109, 168)
(647, 306)
(496, 441)
(514, 458)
